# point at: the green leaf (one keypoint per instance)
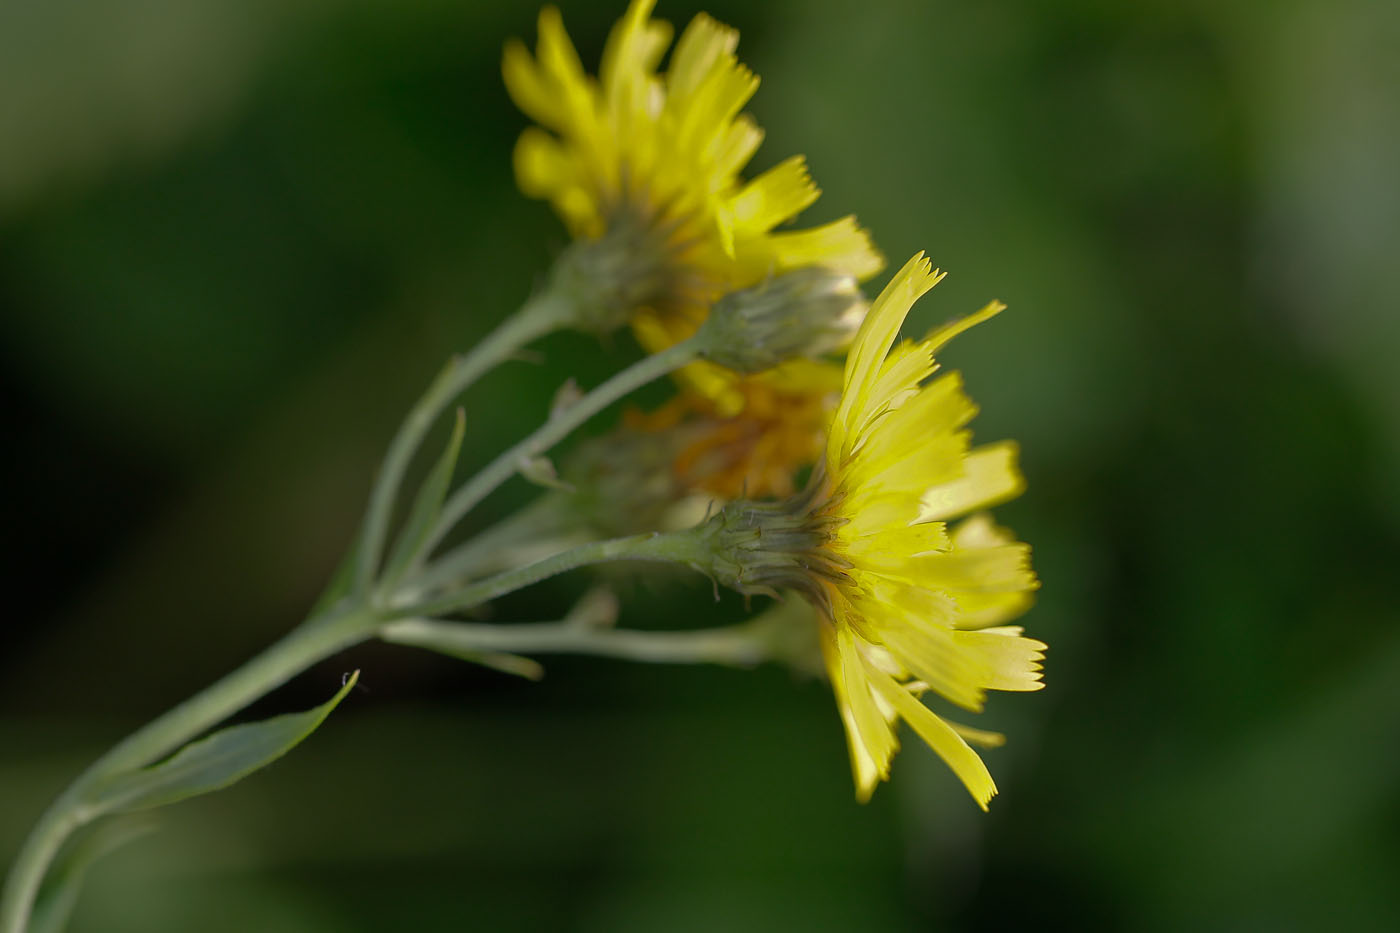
(214, 762)
(427, 504)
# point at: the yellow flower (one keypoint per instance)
(664, 150)
(907, 604)
(918, 606)
(646, 164)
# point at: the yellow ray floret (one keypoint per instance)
(921, 605)
(667, 148)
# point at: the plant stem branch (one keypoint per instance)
(736, 645)
(323, 635)
(677, 547)
(540, 315)
(559, 426)
(546, 519)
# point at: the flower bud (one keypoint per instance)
(804, 313)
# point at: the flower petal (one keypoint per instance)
(942, 738)
(989, 476)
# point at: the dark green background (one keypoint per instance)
(237, 237)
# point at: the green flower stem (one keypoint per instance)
(559, 426)
(546, 312)
(309, 643)
(548, 518)
(357, 620)
(682, 547)
(736, 645)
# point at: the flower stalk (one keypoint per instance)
(560, 425)
(544, 313)
(683, 547)
(735, 645)
(358, 614)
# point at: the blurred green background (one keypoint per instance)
(238, 236)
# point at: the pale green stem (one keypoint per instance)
(645, 370)
(736, 645)
(542, 314)
(546, 519)
(276, 665)
(323, 636)
(683, 547)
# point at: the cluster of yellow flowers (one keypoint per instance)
(645, 165)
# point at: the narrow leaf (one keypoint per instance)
(214, 762)
(428, 503)
(565, 397)
(541, 472)
(595, 609)
(513, 664)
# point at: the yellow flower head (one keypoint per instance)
(908, 604)
(919, 606)
(664, 150)
(649, 161)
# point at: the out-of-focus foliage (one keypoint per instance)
(236, 239)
